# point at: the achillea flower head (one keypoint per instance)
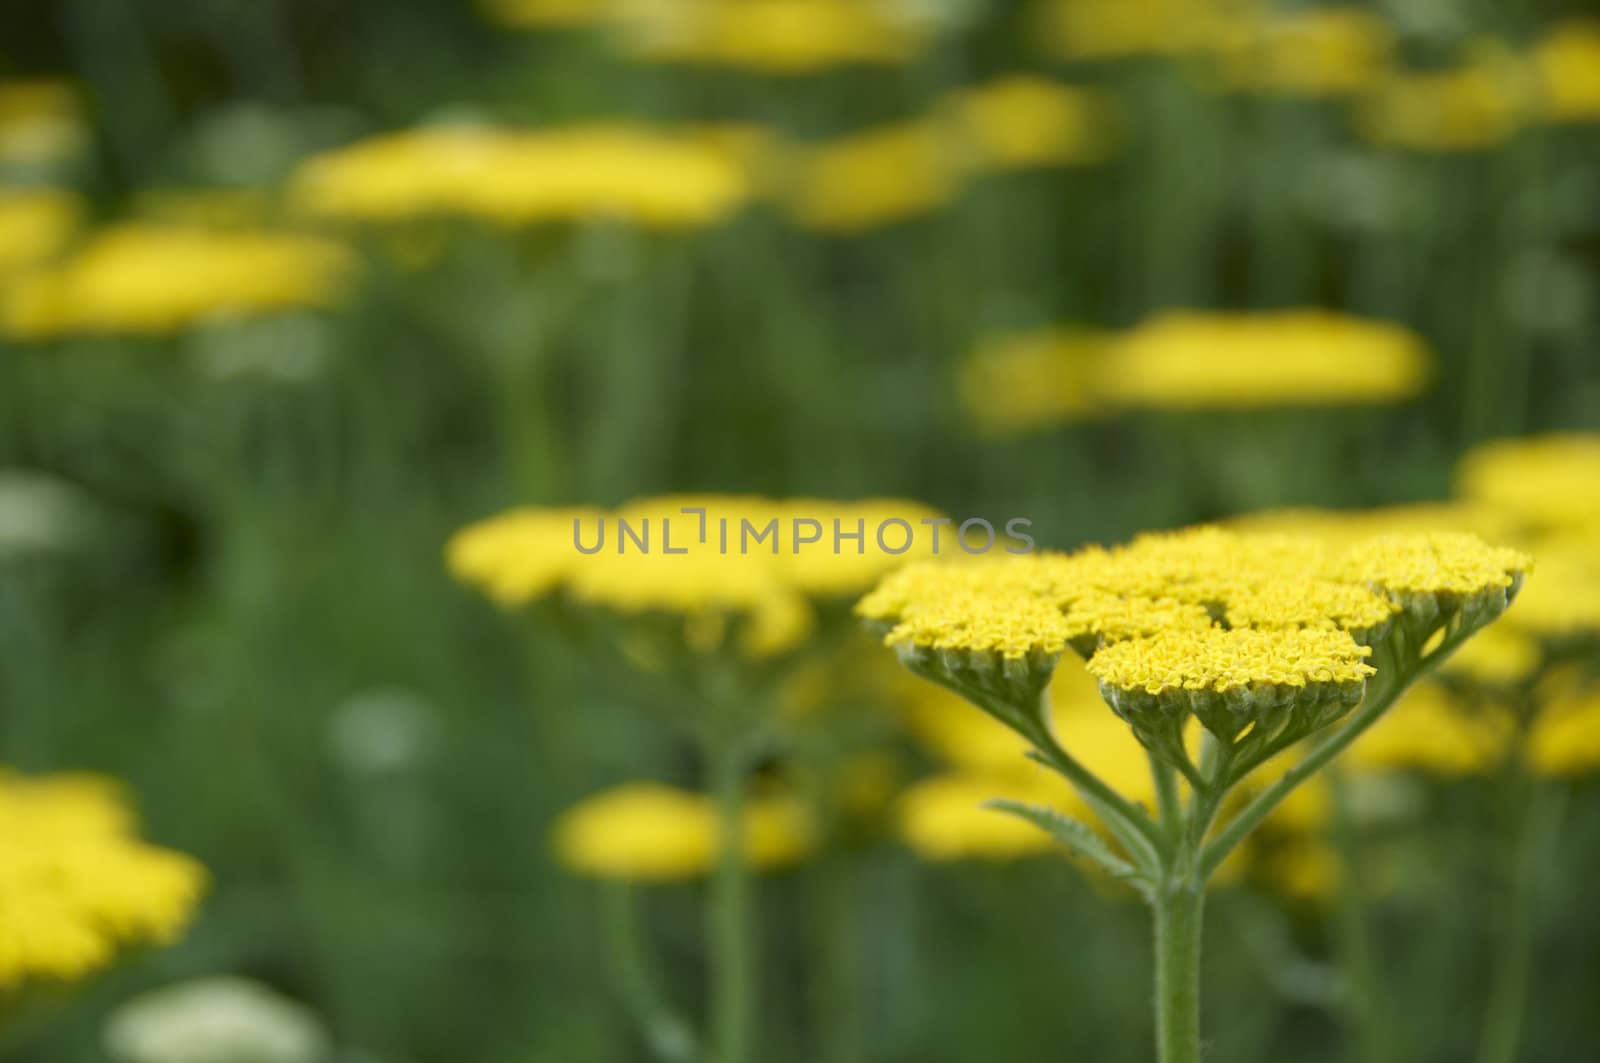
(1191, 360)
(517, 177)
(732, 570)
(777, 37)
(1450, 579)
(1549, 482)
(1476, 105)
(1022, 382)
(943, 818)
(1113, 29)
(1501, 655)
(648, 832)
(1342, 528)
(1564, 738)
(35, 225)
(873, 178)
(1025, 121)
(1320, 52)
(1266, 636)
(1566, 64)
(1563, 604)
(79, 885)
(153, 280)
(1434, 731)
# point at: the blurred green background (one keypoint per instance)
(241, 609)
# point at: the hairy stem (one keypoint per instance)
(1179, 909)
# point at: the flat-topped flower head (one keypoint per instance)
(1292, 680)
(1475, 105)
(1292, 603)
(1562, 606)
(717, 570)
(779, 37)
(1565, 62)
(1022, 121)
(143, 279)
(79, 884)
(649, 832)
(1320, 52)
(1441, 579)
(1548, 482)
(1194, 360)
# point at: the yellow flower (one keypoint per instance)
(1413, 569)
(772, 36)
(1112, 29)
(1226, 660)
(1026, 381)
(206, 208)
(943, 817)
(1476, 105)
(1548, 481)
(1564, 601)
(1342, 528)
(522, 177)
(1025, 121)
(1565, 736)
(1431, 730)
(732, 569)
(35, 224)
(76, 883)
(1500, 655)
(1567, 68)
(1320, 52)
(41, 123)
(647, 832)
(871, 179)
(1188, 360)
(136, 278)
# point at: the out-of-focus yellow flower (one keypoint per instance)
(1340, 528)
(1563, 602)
(41, 123)
(35, 224)
(1113, 29)
(1499, 656)
(1025, 121)
(76, 883)
(147, 279)
(1022, 382)
(1190, 360)
(1565, 736)
(1433, 731)
(872, 179)
(1476, 105)
(1320, 52)
(1566, 64)
(647, 832)
(546, 14)
(772, 36)
(1549, 481)
(746, 569)
(943, 817)
(523, 177)
(1306, 869)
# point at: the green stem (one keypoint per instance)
(1167, 795)
(1537, 823)
(729, 916)
(1364, 998)
(668, 1033)
(1179, 908)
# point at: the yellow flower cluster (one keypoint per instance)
(1566, 65)
(1430, 730)
(76, 883)
(35, 225)
(1477, 104)
(1316, 52)
(1433, 563)
(647, 832)
(1112, 29)
(1191, 360)
(523, 176)
(1225, 660)
(1565, 736)
(893, 172)
(147, 279)
(751, 562)
(773, 36)
(1548, 482)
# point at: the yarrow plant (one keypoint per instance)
(1269, 642)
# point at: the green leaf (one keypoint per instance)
(1076, 836)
